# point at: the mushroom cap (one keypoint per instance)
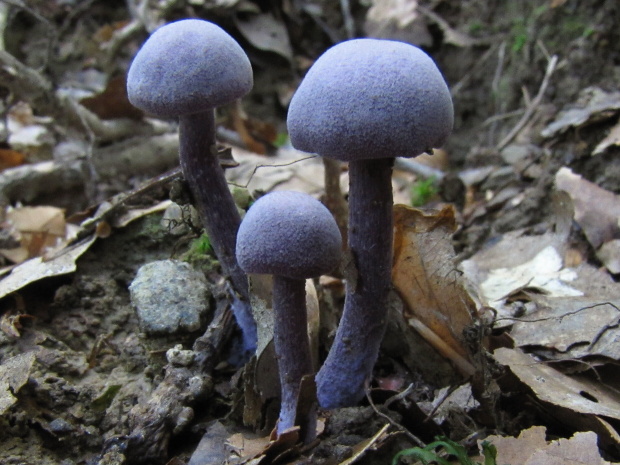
(289, 234)
(188, 66)
(371, 98)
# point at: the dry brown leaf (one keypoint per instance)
(549, 385)
(39, 229)
(106, 32)
(594, 105)
(426, 278)
(10, 158)
(35, 269)
(240, 125)
(532, 448)
(287, 170)
(517, 451)
(113, 102)
(596, 210)
(581, 449)
(575, 327)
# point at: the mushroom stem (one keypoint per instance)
(216, 207)
(341, 381)
(294, 361)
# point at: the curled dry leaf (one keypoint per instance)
(577, 394)
(265, 32)
(611, 140)
(532, 448)
(425, 276)
(596, 209)
(39, 229)
(593, 105)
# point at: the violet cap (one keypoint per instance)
(371, 98)
(288, 234)
(188, 66)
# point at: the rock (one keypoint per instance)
(170, 297)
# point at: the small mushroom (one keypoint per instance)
(367, 101)
(293, 237)
(186, 69)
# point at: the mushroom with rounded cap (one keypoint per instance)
(292, 236)
(186, 69)
(367, 101)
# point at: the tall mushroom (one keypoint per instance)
(186, 69)
(367, 101)
(291, 236)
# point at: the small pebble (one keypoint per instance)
(170, 297)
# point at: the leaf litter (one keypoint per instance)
(556, 324)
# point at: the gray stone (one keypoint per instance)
(170, 297)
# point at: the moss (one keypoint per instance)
(422, 191)
(200, 254)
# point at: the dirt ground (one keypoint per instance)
(81, 383)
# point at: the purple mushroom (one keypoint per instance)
(291, 236)
(186, 69)
(367, 101)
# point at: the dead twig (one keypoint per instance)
(456, 88)
(32, 87)
(349, 24)
(531, 108)
(416, 440)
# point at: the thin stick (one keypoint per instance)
(416, 440)
(529, 111)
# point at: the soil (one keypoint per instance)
(93, 365)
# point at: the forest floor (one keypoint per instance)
(503, 329)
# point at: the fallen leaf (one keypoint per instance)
(609, 254)
(518, 266)
(38, 229)
(27, 132)
(106, 32)
(544, 273)
(214, 448)
(36, 269)
(532, 448)
(426, 278)
(113, 102)
(265, 32)
(596, 210)
(287, 170)
(10, 158)
(11, 323)
(593, 105)
(552, 386)
(397, 19)
(14, 373)
(574, 327)
(611, 140)
(373, 443)
(445, 404)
